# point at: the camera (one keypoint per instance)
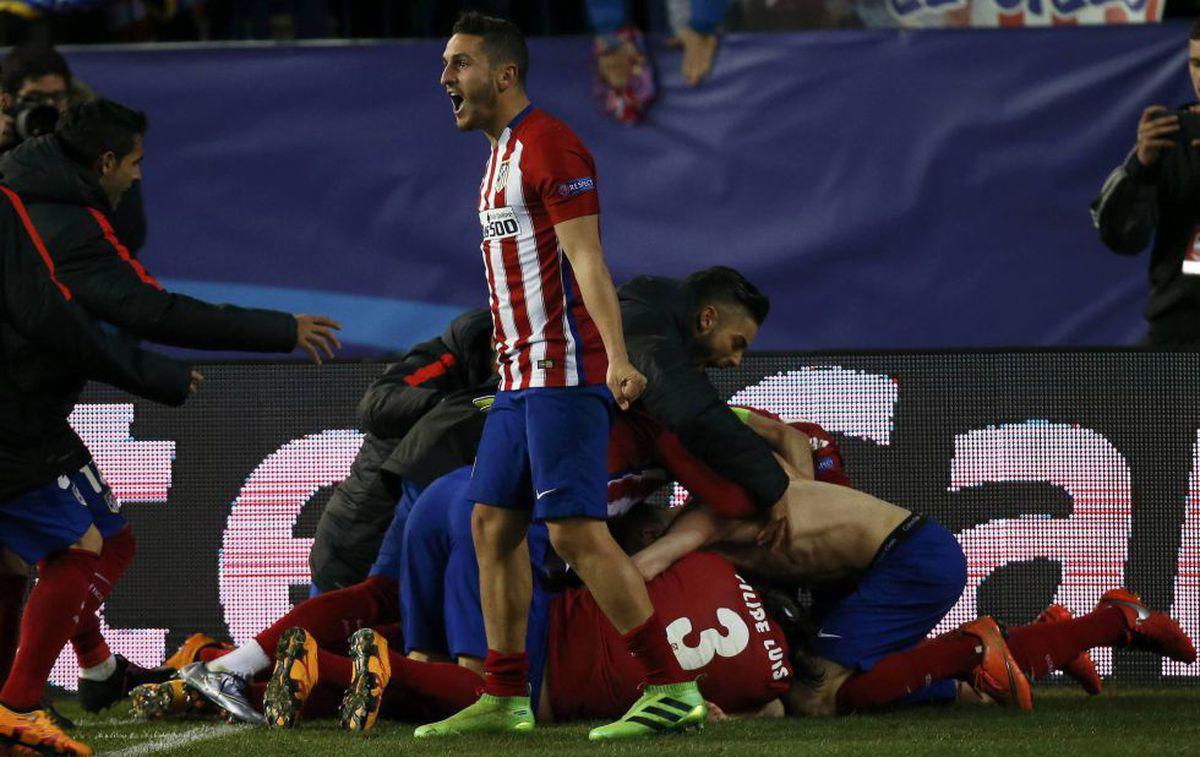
(33, 115)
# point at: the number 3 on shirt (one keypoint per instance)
(732, 642)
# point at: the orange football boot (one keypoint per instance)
(293, 679)
(34, 730)
(372, 671)
(189, 650)
(1081, 669)
(997, 673)
(1148, 629)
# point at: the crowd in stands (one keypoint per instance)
(124, 21)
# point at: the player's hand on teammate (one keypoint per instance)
(1155, 129)
(620, 63)
(699, 51)
(314, 335)
(625, 382)
(194, 387)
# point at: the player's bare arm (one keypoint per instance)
(695, 529)
(789, 443)
(580, 240)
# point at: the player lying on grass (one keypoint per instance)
(299, 666)
(639, 458)
(882, 579)
(747, 648)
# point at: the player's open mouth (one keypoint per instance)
(457, 101)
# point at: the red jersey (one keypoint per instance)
(643, 457)
(539, 174)
(635, 467)
(716, 625)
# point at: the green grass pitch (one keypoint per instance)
(1123, 720)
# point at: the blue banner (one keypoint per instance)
(886, 189)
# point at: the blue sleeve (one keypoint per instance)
(707, 15)
(607, 16)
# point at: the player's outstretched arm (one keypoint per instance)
(580, 240)
(693, 530)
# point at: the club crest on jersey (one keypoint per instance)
(576, 186)
(499, 223)
(502, 174)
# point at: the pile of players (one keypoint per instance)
(724, 578)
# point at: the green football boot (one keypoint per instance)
(488, 715)
(662, 709)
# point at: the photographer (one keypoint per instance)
(36, 88)
(1153, 194)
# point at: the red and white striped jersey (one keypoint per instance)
(538, 174)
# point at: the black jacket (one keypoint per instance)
(71, 211)
(657, 316)
(40, 325)
(1162, 202)
(68, 209)
(420, 424)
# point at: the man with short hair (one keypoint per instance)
(69, 182)
(31, 74)
(41, 518)
(1152, 195)
(559, 343)
(36, 88)
(675, 329)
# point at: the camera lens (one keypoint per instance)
(35, 120)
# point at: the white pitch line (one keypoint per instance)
(176, 740)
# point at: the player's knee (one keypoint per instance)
(91, 541)
(576, 538)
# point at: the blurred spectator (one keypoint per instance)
(785, 15)
(36, 87)
(695, 24)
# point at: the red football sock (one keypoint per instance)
(333, 616)
(50, 618)
(506, 674)
(325, 701)
(334, 669)
(951, 655)
(648, 642)
(12, 592)
(90, 647)
(1040, 648)
(429, 690)
(115, 559)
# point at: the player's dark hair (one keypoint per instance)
(503, 42)
(722, 284)
(89, 129)
(1195, 29)
(31, 61)
(799, 631)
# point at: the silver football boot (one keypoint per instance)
(226, 690)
